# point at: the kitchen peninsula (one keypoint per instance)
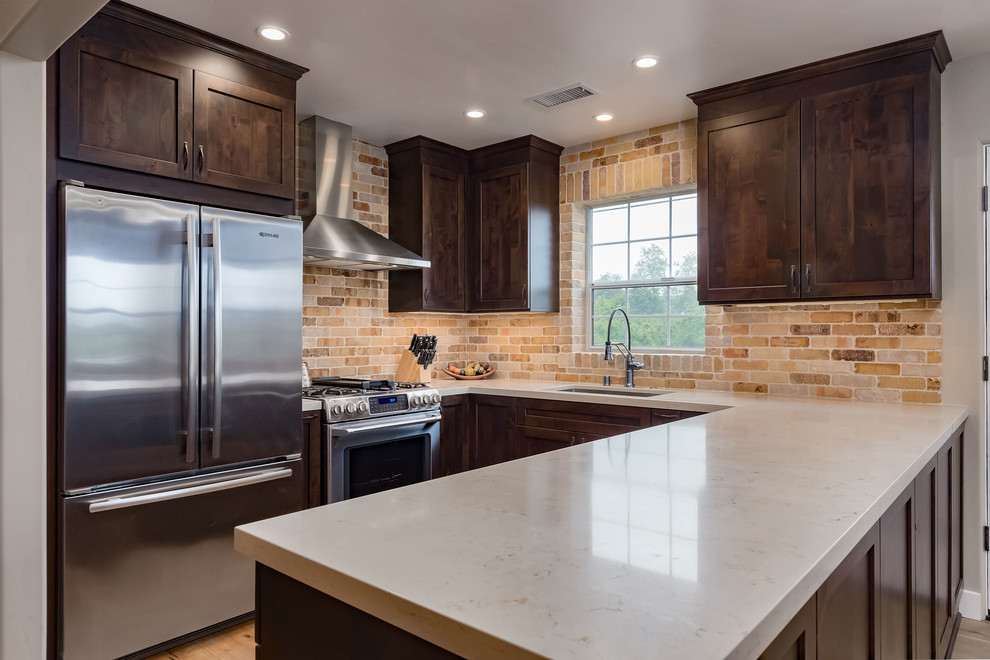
(702, 538)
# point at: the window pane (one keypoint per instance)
(649, 220)
(609, 224)
(687, 332)
(648, 300)
(650, 260)
(606, 300)
(649, 331)
(684, 300)
(684, 214)
(685, 257)
(610, 263)
(618, 330)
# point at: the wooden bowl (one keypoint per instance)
(458, 375)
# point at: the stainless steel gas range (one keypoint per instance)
(377, 435)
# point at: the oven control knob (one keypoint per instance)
(435, 398)
(351, 408)
(336, 409)
(362, 407)
(416, 401)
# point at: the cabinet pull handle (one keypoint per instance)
(202, 159)
(185, 156)
(793, 278)
(807, 277)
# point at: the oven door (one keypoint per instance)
(373, 455)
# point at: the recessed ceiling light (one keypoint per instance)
(646, 61)
(475, 114)
(604, 116)
(273, 33)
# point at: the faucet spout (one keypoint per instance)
(632, 365)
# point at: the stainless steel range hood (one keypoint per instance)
(331, 238)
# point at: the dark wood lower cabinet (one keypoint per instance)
(493, 430)
(454, 453)
(896, 595)
(312, 456)
(478, 430)
(848, 616)
(799, 640)
(294, 620)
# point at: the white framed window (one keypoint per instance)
(643, 257)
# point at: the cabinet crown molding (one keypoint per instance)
(933, 42)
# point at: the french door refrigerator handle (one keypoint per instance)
(217, 337)
(192, 337)
(178, 493)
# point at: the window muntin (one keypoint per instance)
(643, 257)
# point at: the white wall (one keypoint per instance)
(22, 358)
(965, 129)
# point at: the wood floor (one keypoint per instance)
(973, 640)
(237, 643)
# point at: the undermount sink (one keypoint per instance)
(614, 391)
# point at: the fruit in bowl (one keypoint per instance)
(471, 369)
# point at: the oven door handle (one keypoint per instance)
(400, 420)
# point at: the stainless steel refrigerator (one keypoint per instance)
(180, 413)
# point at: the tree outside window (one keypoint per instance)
(643, 257)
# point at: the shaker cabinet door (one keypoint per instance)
(866, 190)
(125, 109)
(443, 239)
(749, 206)
(500, 246)
(244, 137)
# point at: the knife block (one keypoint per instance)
(409, 371)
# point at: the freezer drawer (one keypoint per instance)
(144, 565)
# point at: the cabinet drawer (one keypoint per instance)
(595, 419)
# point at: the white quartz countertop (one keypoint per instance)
(311, 404)
(697, 539)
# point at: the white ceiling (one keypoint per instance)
(394, 69)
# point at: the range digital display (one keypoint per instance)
(385, 400)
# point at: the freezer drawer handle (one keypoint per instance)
(151, 498)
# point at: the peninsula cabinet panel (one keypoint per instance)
(312, 457)
(799, 640)
(897, 578)
(244, 137)
(948, 547)
(925, 487)
(867, 208)
(821, 182)
(124, 109)
(848, 613)
(749, 208)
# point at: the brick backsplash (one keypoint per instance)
(878, 351)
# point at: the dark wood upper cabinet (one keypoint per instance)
(822, 182)
(487, 219)
(750, 218)
(245, 137)
(125, 109)
(142, 94)
(427, 214)
(866, 214)
(501, 239)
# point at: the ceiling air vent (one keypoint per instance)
(563, 95)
